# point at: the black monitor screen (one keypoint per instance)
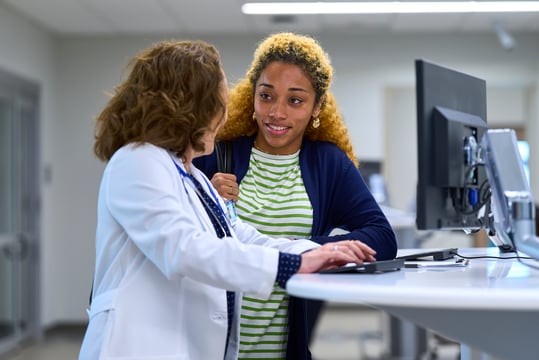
(451, 120)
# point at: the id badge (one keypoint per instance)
(231, 211)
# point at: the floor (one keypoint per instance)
(343, 333)
(353, 332)
(58, 344)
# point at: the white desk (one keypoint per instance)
(491, 305)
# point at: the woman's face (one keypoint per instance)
(284, 103)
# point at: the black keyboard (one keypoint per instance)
(375, 267)
(437, 255)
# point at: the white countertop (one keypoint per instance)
(490, 304)
(483, 283)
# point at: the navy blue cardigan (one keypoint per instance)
(340, 199)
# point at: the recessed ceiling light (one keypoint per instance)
(389, 7)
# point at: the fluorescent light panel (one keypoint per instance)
(390, 7)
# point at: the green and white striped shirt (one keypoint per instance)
(274, 200)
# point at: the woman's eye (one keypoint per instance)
(296, 101)
(264, 96)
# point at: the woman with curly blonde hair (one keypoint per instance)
(316, 65)
(294, 174)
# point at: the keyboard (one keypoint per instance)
(437, 255)
(375, 267)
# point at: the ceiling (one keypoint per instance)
(104, 17)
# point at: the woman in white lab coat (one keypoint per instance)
(171, 263)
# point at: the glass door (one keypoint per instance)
(19, 208)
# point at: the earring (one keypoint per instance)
(316, 122)
(254, 116)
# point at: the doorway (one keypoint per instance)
(19, 211)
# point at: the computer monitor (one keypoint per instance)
(451, 120)
(469, 177)
(513, 207)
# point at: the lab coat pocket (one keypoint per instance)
(96, 336)
(106, 317)
(144, 322)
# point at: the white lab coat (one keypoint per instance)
(161, 271)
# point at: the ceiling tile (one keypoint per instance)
(209, 16)
(224, 16)
(61, 16)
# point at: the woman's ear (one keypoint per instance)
(318, 106)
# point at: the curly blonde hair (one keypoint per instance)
(305, 52)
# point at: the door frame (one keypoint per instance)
(23, 97)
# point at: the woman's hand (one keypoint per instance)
(226, 185)
(335, 254)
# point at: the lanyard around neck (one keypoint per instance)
(192, 180)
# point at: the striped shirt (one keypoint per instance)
(274, 200)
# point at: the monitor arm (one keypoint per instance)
(512, 224)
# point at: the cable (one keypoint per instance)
(520, 258)
(459, 201)
(493, 257)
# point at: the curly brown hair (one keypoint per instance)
(169, 99)
(305, 52)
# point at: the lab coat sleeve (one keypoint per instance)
(250, 235)
(147, 197)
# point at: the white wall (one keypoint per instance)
(76, 72)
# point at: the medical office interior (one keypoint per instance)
(59, 58)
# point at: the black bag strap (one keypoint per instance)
(223, 151)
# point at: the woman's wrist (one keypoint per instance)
(289, 264)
